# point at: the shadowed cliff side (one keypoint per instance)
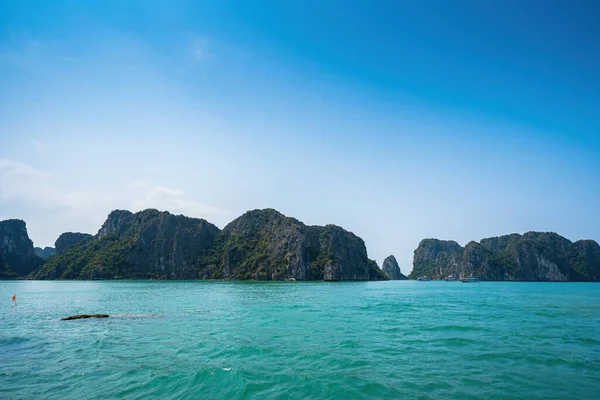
(17, 255)
(392, 269)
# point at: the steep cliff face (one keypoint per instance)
(584, 259)
(18, 258)
(148, 244)
(5, 271)
(480, 261)
(539, 256)
(68, 240)
(118, 222)
(267, 245)
(261, 244)
(346, 256)
(436, 258)
(534, 256)
(392, 269)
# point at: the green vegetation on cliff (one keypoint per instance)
(267, 245)
(105, 257)
(534, 256)
(146, 245)
(584, 259)
(68, 240)
(261, 245)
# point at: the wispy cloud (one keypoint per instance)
(57, 208)
(173, 200)
(26, 185)
(23, 183)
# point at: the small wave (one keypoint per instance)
(587, 340)
(461, 328)
(13, 340)
(547, 314)
(349, 344)
(559, 361)
(458, 341)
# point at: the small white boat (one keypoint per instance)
(450, 278)
(472, 278)
(423, 278)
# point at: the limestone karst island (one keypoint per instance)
(267, 245)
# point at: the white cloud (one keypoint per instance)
(172, 200)
(24, 184)
(10, 167)
(51, 208)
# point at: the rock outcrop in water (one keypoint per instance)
(17, 257)
(392, 269)
(84, 316)
(261, 244)
(534, 256)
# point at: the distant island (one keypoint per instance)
(259, 245)
(267, 245)
(534, 256)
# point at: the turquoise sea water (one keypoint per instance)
(279, 340)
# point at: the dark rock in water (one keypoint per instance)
(392, 269)
(17, 256)
(84, 316)
(43, 253)
(534, 256)
(69, 240)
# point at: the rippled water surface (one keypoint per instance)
(429, 340)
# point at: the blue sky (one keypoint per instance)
(397, 120)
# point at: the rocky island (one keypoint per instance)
(392, 269)
(259, 245)
(267, 245)
(534, 256)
